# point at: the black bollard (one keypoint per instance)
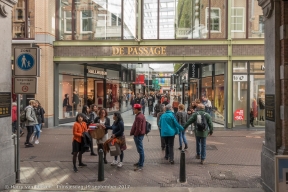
(182, 168)
(100, 166)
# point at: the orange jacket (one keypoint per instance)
(78, 129)
(175, 104)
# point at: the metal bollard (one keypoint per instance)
(101, 166)
(182, 168)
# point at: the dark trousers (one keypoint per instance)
(150, 108)
(175, 110)
(162, 140)
(30, 130)
(74, 109)
(169, 151)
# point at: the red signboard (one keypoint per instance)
(140, 79)
(239, 115)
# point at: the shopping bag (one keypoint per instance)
(114, 148)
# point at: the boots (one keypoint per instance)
(180, 148)
(186, 146)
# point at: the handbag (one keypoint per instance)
(114, 148)
(96, 133)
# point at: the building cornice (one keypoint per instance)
(4, 8)
(267, 7)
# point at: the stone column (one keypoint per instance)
(273, 128)
(7, 158)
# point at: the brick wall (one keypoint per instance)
(248, 50)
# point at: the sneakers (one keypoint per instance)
(197, 156)
(138, 169)
(82, 165)
(202, 161)
(172, 162)
(120, 164)
(114, 162)
(37, 142)
(29, 145)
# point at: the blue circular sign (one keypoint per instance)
(25, 61)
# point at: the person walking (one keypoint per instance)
(161, 112)
(157, 108)
(87, 119)
(165, 102)
(102, 121)
(118, 133)
(14, 119)
(138, 131)
(132, 102)
(93, 112)
(150, 104)
(169, 128)
(31, 121)
(182, 118)
(204, 127)
(175, 105)
(39, 111)
(79, 128)
(143, 104)
(207, 103)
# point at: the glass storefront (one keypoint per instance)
(249, 94)
(74, 92)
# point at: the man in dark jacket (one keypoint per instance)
(138, 130)
(138, 99)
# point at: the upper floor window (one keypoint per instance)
(86, 21)
(238, 20)
(67, 22)
(22, 20)
(215, 19)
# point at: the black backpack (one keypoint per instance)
(201, 122)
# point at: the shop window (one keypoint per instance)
(240, 67)
(257, 67)
(67, 22)
(86, 21)
(215, 19)
(238, 16)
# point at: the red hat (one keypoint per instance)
(137, 106)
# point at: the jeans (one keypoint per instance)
(201, 143)
(143, 110)
(139, 145)
(37, 129)
(169, 151)
(30, 130)
(182, 136)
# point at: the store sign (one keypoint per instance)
(270, 108)
(239, 77)
(5, 104)
(193, 71)
(139, 51)
(239, 115)
(97, 72)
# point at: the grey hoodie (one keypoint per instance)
(30, 116)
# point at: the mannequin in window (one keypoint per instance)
(261, 104)
(255, 108)
(66, 104)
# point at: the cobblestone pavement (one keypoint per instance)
(233, 161)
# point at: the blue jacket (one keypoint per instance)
(169, 125)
